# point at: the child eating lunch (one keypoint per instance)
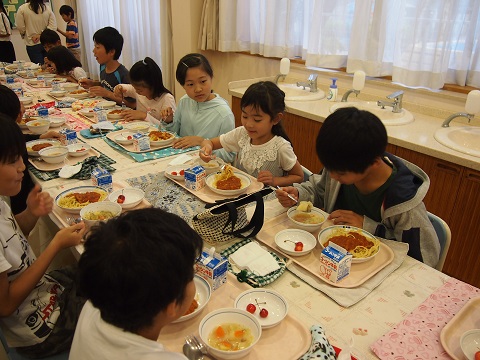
(262, 146)
(363, 186)
(137, 271)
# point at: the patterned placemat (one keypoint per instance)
(167, 195)
(85, 173)
(151, 155)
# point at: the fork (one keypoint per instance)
(290, 196)
(123, 103)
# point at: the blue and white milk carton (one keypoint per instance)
(141, 142)
(68, 137)
(195, 177)
(335, 263)
(212, 267)
(101, 177)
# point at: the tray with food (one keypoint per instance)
(362, 268)
(290, 339)
(156, 139)
(73, 157)
(235, 182)
(70, 201)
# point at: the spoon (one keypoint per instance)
(192, 352)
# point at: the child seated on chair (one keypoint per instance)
(363, 186)
(38, 311)
(137, 273)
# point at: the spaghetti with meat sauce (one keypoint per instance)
(356, 244)
(77, 200)
(226, 180)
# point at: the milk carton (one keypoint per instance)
(101, 177)
(68, 137)
(212, 267)
(335, 263)
(141, 142)
(195, 177)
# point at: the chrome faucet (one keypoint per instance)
(446, 123)
(396, 104)
(345, 96)
(278, 77)
(311, 83)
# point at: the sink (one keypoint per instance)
(461, 138)
(295, 93)
(386, 115)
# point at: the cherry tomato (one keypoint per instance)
(298, 246)
(174, 173)
(129, 137)
(182, 172)
(251, 308)
(263, 313)
(121, 199)
(477, 355)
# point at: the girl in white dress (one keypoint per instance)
(262, 146)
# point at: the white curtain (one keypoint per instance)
(420, 43)
(144, 24)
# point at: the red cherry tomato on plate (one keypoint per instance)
(298, 246)
(121, 199)
(263, 313)
(174, 173)
(129, 137)
(182, 172)
(477, 355)
(251, 308)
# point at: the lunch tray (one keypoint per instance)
(42, 165)
(288, 340)
(130, 148)
(359, 273)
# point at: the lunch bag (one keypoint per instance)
(227, 219)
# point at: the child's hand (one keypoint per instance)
(130, 115)
(100, 91)
(51, 134)
(119, 90)
(187, 141)
(282, 196)
(35, 38)
(70, 236)
(346, 217)
(39, 203)
(266, 177)
(85, 83)
(167, 114)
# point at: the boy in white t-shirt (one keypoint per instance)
(37, 310)
(137, 273)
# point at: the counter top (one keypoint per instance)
(417, 135)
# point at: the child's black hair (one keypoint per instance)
(63, 59)
(67, 10)
(350, 140)
(192, 61)
(9, 102)
(135, 265)
(146, 72)
(111, 39)
(268, 97)
(49, 37)
(2, 9)
(12, 142)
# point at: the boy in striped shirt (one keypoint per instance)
(71, 32)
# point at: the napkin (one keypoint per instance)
(255, 259)
(181, 159)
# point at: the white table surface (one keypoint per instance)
(403, 291)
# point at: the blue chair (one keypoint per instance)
(444, 236)
(306, 173)
(12, 354)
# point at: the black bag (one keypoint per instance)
(227, 219)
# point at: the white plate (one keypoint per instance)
(295, 235)
(123, 139)
(106, 104)
(210, 167)
(175, 168)
(244, 179)
(470, 343)
(39, 141)
(79, 189)
(328, 232)
(60, 93)
(138, 126)
(89, 112)
(163, 142)
(202, 296)
(114, 116)
(276, 305)
(78, 149)
(133, 197)
(79, 96)
(56, 121)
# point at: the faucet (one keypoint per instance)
(278, 77)
(345, 96)
(396, 104)
(311, 83)
(446, 123)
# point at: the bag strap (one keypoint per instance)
(256, 222)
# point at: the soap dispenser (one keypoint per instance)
(333, 91)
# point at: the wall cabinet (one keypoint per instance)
(454, 193)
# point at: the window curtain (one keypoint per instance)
(144, 24)
(208, 35)
(420, 43)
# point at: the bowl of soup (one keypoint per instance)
(99, 211)
(54, 154)
(307, 220)
(38, 126)
(230, 333)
